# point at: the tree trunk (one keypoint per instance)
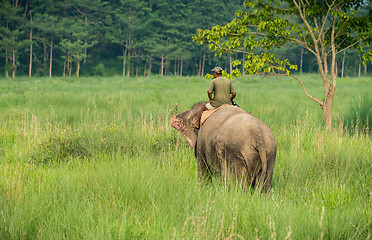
(6, 58)
(175, 67)
(69, 65)
(124, 67)
(329, 92)
(162, 65)
(203, 64)
(327, 111)
(78, 69)
(14, 68)
(132, 62)
(86, 41)
(330, 88)
(30, 66)
(64, 68)
(343, 65)
(6, 63)
(51, 58)
(150, 65)
(301, 60)
(181, 68)
(128, 52)
(129, 63)
(124, 50)
(70, 69)
(86, 52)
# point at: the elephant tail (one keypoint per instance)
(263, 157)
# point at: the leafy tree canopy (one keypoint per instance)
(324, 28)
(319, 26)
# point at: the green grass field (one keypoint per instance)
(96, 158)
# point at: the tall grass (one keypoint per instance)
(359, 117)
(96, 158)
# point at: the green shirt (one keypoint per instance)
(222, 88)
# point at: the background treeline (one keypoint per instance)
(126, 37)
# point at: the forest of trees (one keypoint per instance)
(126, 37)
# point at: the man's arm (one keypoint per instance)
(210, 96)
(233, 94)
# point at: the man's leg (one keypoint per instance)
(206, 107)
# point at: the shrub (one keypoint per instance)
(99, 70)
(60, 145)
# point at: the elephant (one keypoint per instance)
(231, 145)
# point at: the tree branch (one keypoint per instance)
(317, 53)
(302, 43)
(252, 75)
(342, 27)
(285, 75)
(306, 93)
(246, 33)
(333, 68)
(238, 51)
(322, 32)
(350, 46)
(303, 16)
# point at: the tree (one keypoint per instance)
(47, 27)
(129, 21)
(164, 33)
(208, 13)
(11, 34)
(90, 14)
(75, 52)
(324, 28)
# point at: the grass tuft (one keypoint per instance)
(60, 145)
(359, 116)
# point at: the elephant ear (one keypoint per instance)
(195, 112)
(194, 121)
(183, 123)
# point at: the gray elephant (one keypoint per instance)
(231, 144)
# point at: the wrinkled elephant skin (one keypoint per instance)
(231, 144)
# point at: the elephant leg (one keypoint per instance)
(263, 175)
(270, 171)
(202, 168)
(253, 165)
(238, 173)
(267, 186)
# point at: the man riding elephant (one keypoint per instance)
(219, 91)
(231, 144)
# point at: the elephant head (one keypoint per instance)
(186, 123)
